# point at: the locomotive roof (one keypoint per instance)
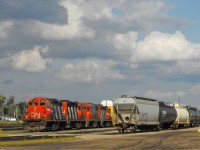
(53, 100)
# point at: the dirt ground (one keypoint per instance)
(167, 139)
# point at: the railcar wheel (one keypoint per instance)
(119, 130)
(132, 129)
(122, 130)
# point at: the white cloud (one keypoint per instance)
(95, 10)
(31, 60)
(57, 32)
(124, 43)
(183, 67)
(165, 47)
(5, 62)
(164, 95)
(73, 29)
(195, 89)
(91, 71)
(4, 29)
(140, 15)
(156, 46)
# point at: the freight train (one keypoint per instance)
(53, 114)
(133, 113)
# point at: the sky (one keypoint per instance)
(90, 50)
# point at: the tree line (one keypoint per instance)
(9, 108)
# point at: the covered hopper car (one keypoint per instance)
(136, 113)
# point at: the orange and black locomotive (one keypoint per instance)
(53, 114)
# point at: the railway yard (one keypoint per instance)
(109, 138)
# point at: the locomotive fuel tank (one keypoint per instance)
(167, 115)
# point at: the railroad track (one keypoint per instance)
(63, 133)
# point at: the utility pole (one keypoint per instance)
(16, 114)
(179, 99)
(2, 113)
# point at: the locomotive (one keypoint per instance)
(53, 114)
(146, 114)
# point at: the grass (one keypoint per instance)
(4, 133)
(10, 123)
(36, 141)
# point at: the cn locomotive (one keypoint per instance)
(133, 113)
(53, 114)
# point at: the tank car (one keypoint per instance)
(182, 119)
(43, 114)
(198, 117)
(136, 113)
(167, 115)
(192, 116)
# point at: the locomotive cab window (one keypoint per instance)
(88, 109)
(35, 103)
(30, 103)
(42, 103)
(48, 105)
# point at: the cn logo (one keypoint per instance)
(35, 115)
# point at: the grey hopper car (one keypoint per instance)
(167, 116)
(136, 113)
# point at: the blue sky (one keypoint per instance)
(188, 10)
(94, 50)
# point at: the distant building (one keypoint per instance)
(6, 118)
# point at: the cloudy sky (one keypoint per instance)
(90, 50)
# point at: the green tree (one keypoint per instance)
(5, 111)
(10, 100)
(2, 101)
(12, 110)
(22, 108)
